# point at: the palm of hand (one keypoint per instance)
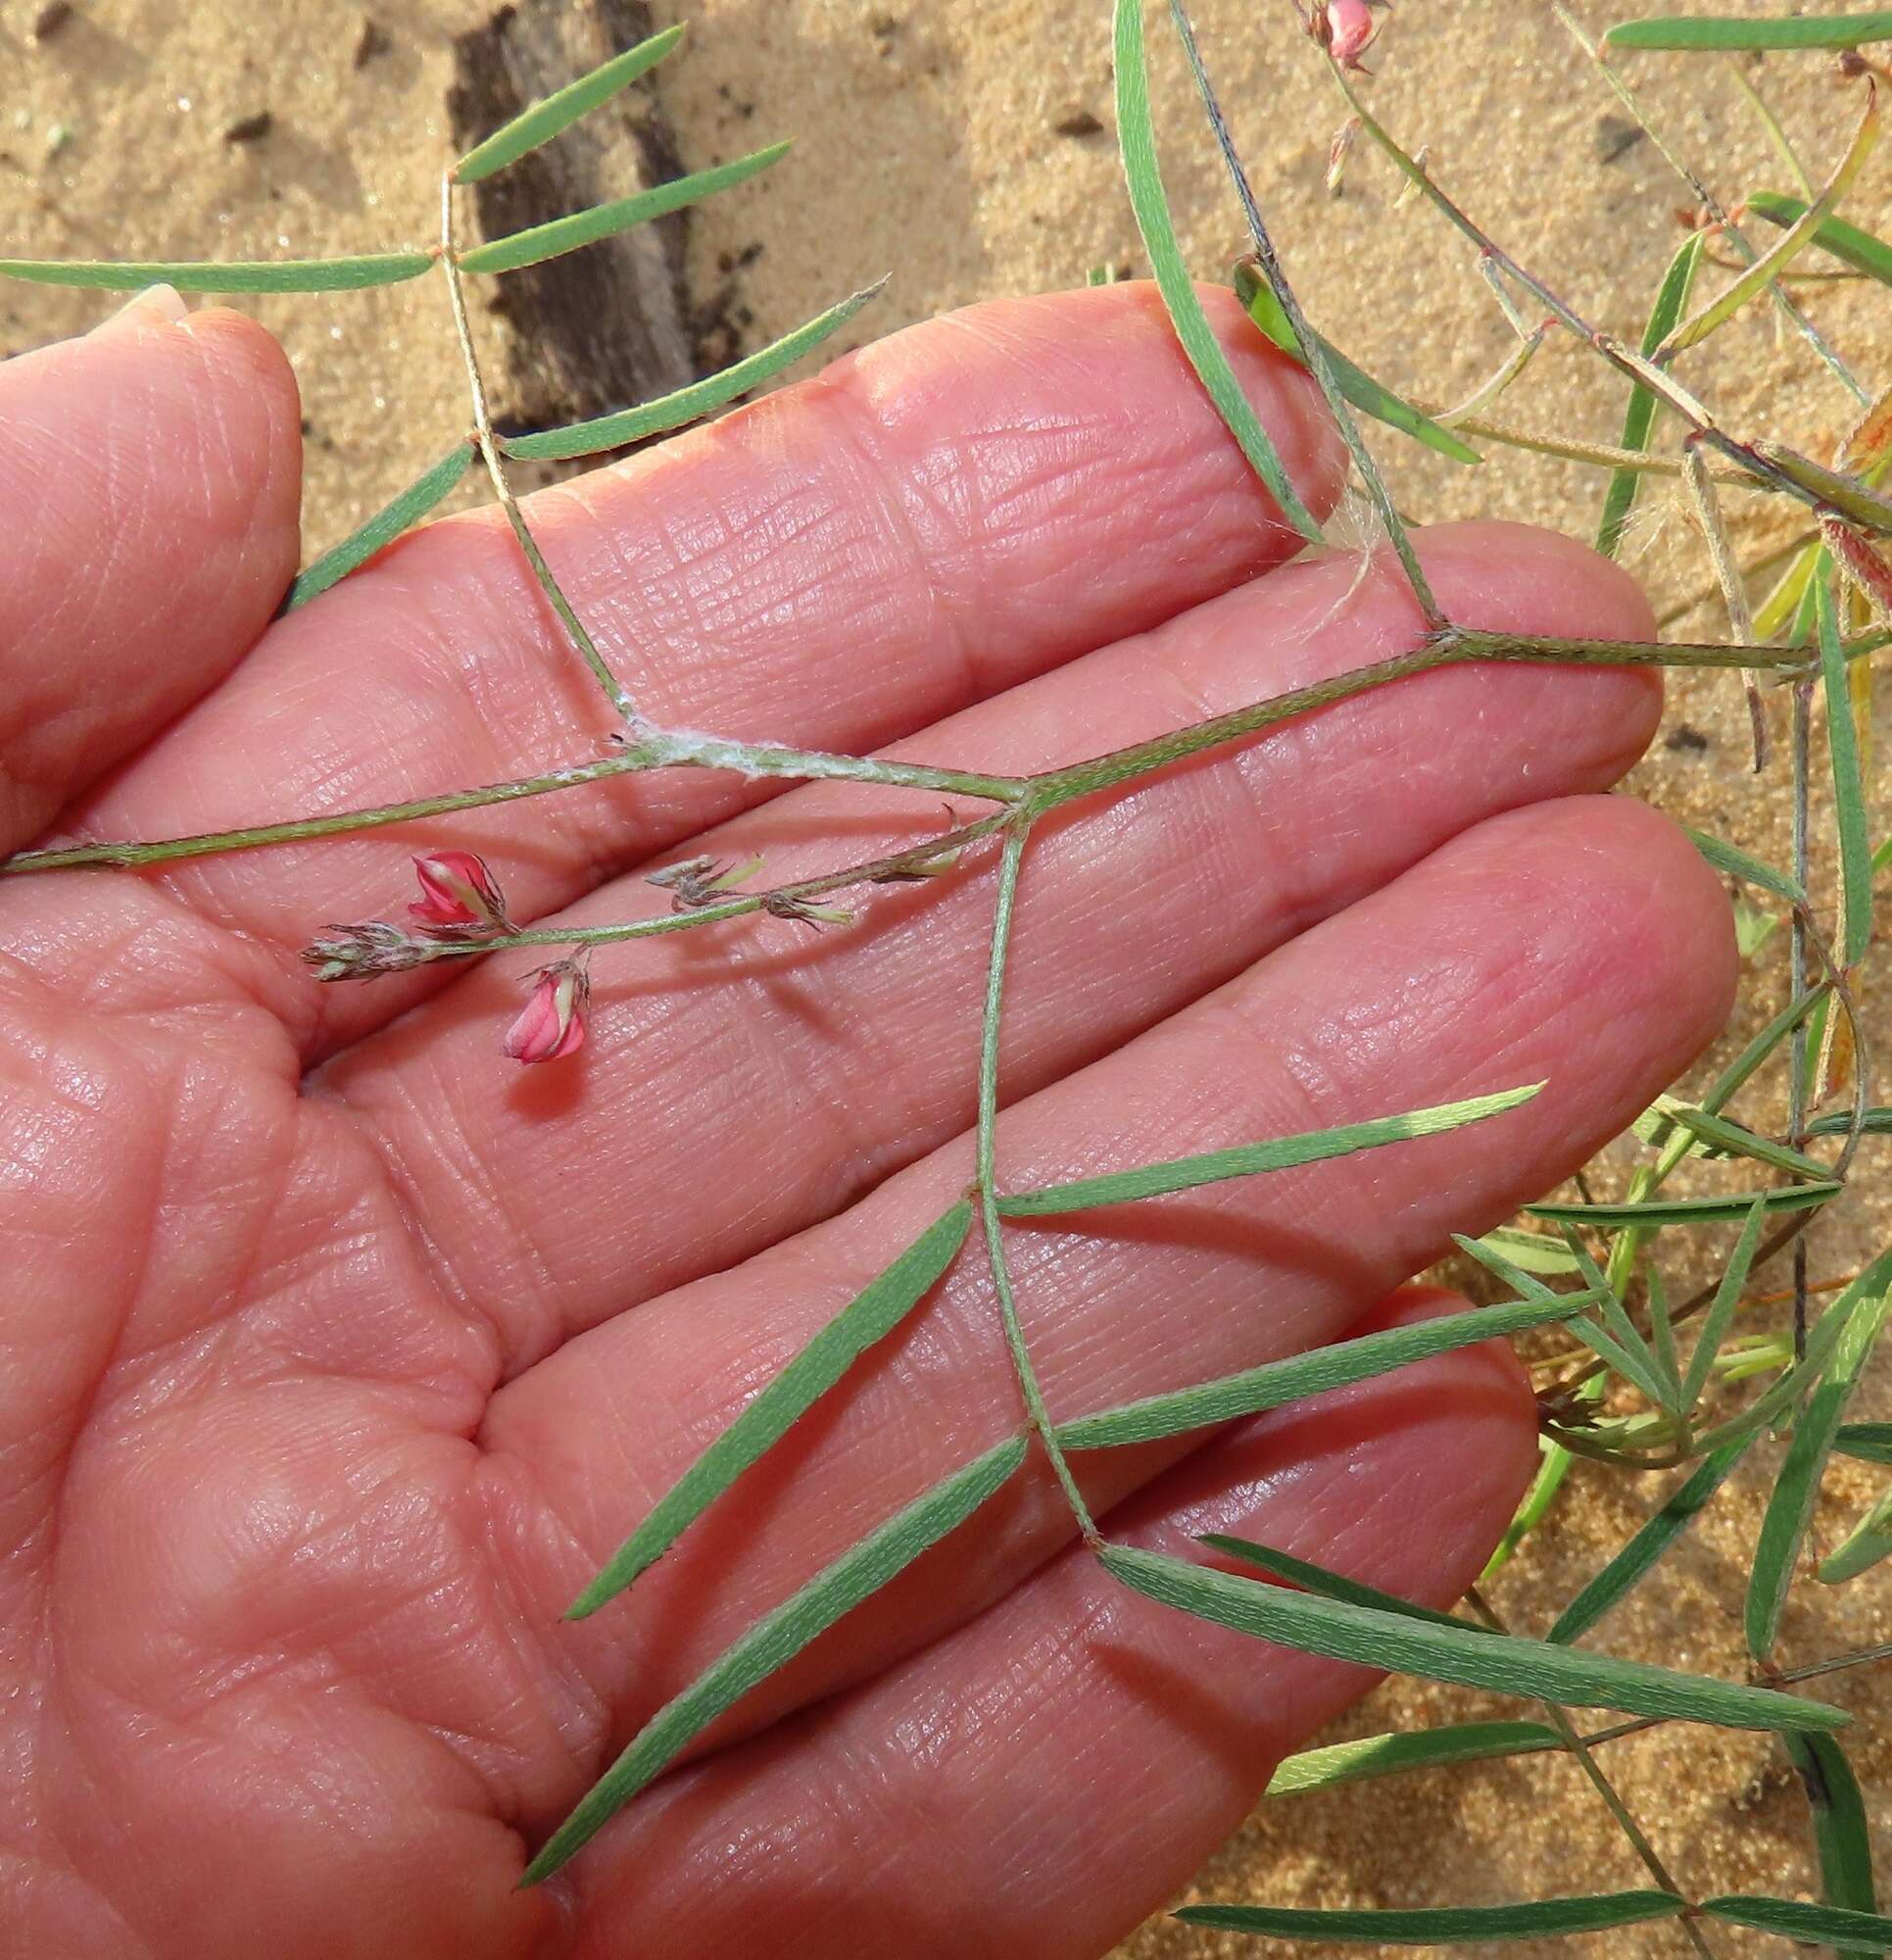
(326, 1393)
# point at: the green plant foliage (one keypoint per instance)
(870, 1316)
(1355, 384)
(381, 530)
(1639, 419)
(1468, 1655)
(687, 404)
(1440, 1925)
(1373, 1757)
(1250, 1160)
(1846, 242)
(215, 275)
(545, 120)
(773, 1642)
(1698, 34)
(540, 242)
(1842, 1836)
(1136, 138)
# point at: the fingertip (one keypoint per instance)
(152, 473)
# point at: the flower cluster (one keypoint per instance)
(460, 904)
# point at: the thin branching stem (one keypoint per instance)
(1579, 1752)
(1310, 345)
(1044, 791)
(987, 1179)
(489, 449)
(1711, 205)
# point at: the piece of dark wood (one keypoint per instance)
(609, 325)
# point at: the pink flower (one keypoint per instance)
(1350, 28)
(552, 1023)
(460, 897)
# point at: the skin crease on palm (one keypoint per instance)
(339, 1350)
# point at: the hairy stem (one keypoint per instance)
(489, 449)
(988, 1174)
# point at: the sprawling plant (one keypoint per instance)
(1640, 1379)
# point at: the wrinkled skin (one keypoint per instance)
(340, 1349)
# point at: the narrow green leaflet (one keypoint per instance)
(1529, 1252)
(1639, 419)
(1318, 1579)
(387, 525)
(1420, 1749)
(1733, 1140)
(699, 398)
(585, 228)
(1624, 1346)
(1868, 1441)
(775, 1640)
(1824, 1925)
(1249, 1159)
(1638, 1559)
(213, 275)
(1439, 1925)
(1720, 1309)
(1846, 242)
(1716, 31)
(1137, 137)
(1354, 382)
(870, 1316)
(1865, 1544)
(1535, 1505)
(1467, 1655)
(1790, 1507)
(1275, 1384)
(1874, 1123)
(543, 121)
(1841, 1835)
(1737, 863)
(1655, 1211)
(1849, 792)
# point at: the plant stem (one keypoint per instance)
(1311, 350)
(988, 1174)
(802, 763)
(489, 449)
(919, 860)
(1657, 380)
(1579, 1749)
(1456, 646)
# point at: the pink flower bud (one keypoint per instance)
(460, 897)
(1350, 28)
(552, 1023)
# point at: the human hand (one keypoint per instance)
(341, 1350)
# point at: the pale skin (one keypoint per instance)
(340, 1350)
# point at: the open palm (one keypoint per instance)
(340, 1350)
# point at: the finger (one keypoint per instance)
(799, 1073)
(1047, 1777)
(150, 478)
(933, 518)
(1581, 944)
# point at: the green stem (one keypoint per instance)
(489, 449)
(803, 764)
(988, 1174)
(921, 860)
(1579, 1749)
(1040, 793)
(1457, 646)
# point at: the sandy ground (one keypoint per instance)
(929, 145)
